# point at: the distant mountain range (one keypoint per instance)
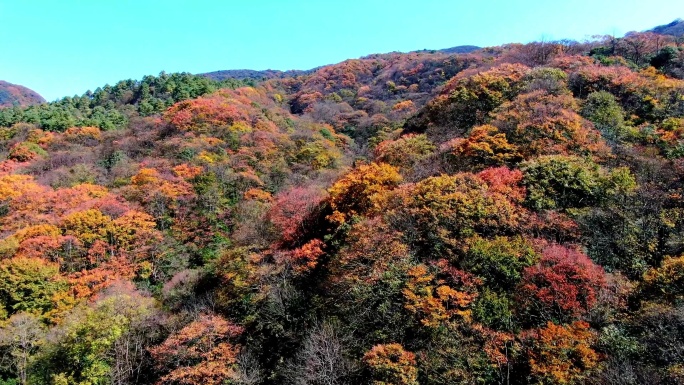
(13, 94)
(245, 74)
(676, 28)
(457, 49)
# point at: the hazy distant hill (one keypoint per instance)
(460, 49)
(253, 74)
(676, 28)
(12, 94)
(245, 74)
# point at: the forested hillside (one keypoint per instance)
(15, 95)
(512, 215)
(675, 28)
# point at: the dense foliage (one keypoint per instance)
(512, 215)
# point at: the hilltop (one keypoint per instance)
(245, 74)
(259, 75)
(675, 28)
(16, 95)
(459, 49)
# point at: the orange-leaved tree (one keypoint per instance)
(432, 300)
(203, 352)
(353, 194)
(561, 354)
(390, 364)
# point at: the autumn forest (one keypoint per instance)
(510, 215)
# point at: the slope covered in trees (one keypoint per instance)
(252, 74)
(507, 216)
(16, 95)
(675, 28)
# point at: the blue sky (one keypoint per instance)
(61, 48)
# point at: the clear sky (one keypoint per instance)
(65, 47)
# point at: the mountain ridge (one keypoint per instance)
(14, 94)
(675, 28)
(249, 74)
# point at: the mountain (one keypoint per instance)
(460, 49)
(13, 95)
(456, 49)
(245, 74)
(512, 215)
(676, 28)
